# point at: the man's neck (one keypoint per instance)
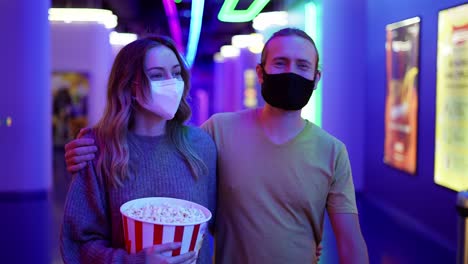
(280, 126)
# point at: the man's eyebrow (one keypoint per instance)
(286, 58)
(280, 58)
(304, 61)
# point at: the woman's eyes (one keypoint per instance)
(161, 76)
(177, 74)
(156, 76)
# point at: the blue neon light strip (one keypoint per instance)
(313, 27)
(195, 29)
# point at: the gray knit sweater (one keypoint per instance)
(92, 225)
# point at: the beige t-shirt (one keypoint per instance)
(272, 198)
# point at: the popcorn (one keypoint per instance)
(158, 220)
(166, 213)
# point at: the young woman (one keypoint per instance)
(144, 150)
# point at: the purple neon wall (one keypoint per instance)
(414, 199)
(344, 78)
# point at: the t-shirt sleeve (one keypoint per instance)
(342, 198)
(86, 229)
(212, 186)
(208, 126)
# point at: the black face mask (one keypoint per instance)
(287, 91)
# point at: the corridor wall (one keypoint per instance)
(414, 199)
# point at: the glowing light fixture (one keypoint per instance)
(240, 41)
(228, 12)
(218, 58)
(67, 15)
(313, 110)
(9, 121)
(121, 39)
(267, 19)
(257, 49)
(310, 17)
(245, 41)
(250, 93)
(174, 24)
(195, 28)
(228, 51)
(254, 42)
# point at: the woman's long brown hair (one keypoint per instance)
(126, 78)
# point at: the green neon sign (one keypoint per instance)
(228, 12)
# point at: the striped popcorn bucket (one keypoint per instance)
(140, 234)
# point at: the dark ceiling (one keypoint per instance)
(143, 16)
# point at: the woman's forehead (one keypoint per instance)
(160, 57)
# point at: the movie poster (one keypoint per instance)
(401, 102)
(69, 105)
(451, 140)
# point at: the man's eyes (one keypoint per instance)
(280, 63)
(302, 66)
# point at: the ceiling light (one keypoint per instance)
(268, 19)
(121, 39)
(69, 15)
(244, 41)
(229, 51)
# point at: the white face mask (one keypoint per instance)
(166, 96)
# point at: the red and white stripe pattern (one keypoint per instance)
(139, 235)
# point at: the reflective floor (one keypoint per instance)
(31, 223)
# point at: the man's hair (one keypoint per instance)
(286, 32)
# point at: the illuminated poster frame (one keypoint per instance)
(451, 139)
(401, 102)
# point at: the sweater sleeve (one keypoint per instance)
(86, 229)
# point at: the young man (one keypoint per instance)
(278, 172)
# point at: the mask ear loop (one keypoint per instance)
(317, 72)
(135, 87)
(263, 68)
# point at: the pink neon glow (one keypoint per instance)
(174, 24)
(203, 102)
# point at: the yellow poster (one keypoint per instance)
(401, 102)
(451, 141)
